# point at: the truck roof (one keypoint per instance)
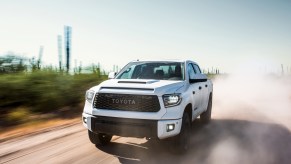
(165, 60)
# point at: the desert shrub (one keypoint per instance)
(17, 116)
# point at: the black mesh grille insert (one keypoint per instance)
(126, 102)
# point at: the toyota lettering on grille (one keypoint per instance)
(123, 101)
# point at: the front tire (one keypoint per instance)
(205, 117)
(99, 138)
(182, 141)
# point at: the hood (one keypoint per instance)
(138, 86)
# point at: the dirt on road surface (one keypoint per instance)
(251, 124)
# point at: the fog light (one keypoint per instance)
(170, 127)
(85, 120)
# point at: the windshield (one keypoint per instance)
(153, 70)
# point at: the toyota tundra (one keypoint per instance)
(152, 99)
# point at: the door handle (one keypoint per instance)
(200, 87)
(206, 85)
(193, 92)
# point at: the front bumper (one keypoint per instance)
(129, 127)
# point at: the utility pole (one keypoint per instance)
(68, 37)
(60, 51)
(39, 57)
(80, 67)
(75, 69)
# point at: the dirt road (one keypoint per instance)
(222, 141)
(239, 133)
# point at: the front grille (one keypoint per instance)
(126, 102)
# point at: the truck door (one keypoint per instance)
(196, 91)
(204, 89)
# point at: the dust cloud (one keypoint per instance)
(251, 119)
(256, 97)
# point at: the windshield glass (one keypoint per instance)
(153, 70)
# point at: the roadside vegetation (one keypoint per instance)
(28, 96)
(24, 96)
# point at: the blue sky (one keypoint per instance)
(216, 33)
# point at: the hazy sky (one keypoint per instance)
(215, 33)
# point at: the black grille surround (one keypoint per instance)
(127, 102)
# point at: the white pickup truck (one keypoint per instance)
(152, 99)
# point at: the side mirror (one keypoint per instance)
(111, 75)
(198, 78)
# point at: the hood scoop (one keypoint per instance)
(138, 82)
(132, 82)
(126, 88)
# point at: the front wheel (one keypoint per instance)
(206, 116)
(99, 138)
(182, 141)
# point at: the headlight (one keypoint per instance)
(89, 96)
(171, 100)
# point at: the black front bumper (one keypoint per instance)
(125, 127)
